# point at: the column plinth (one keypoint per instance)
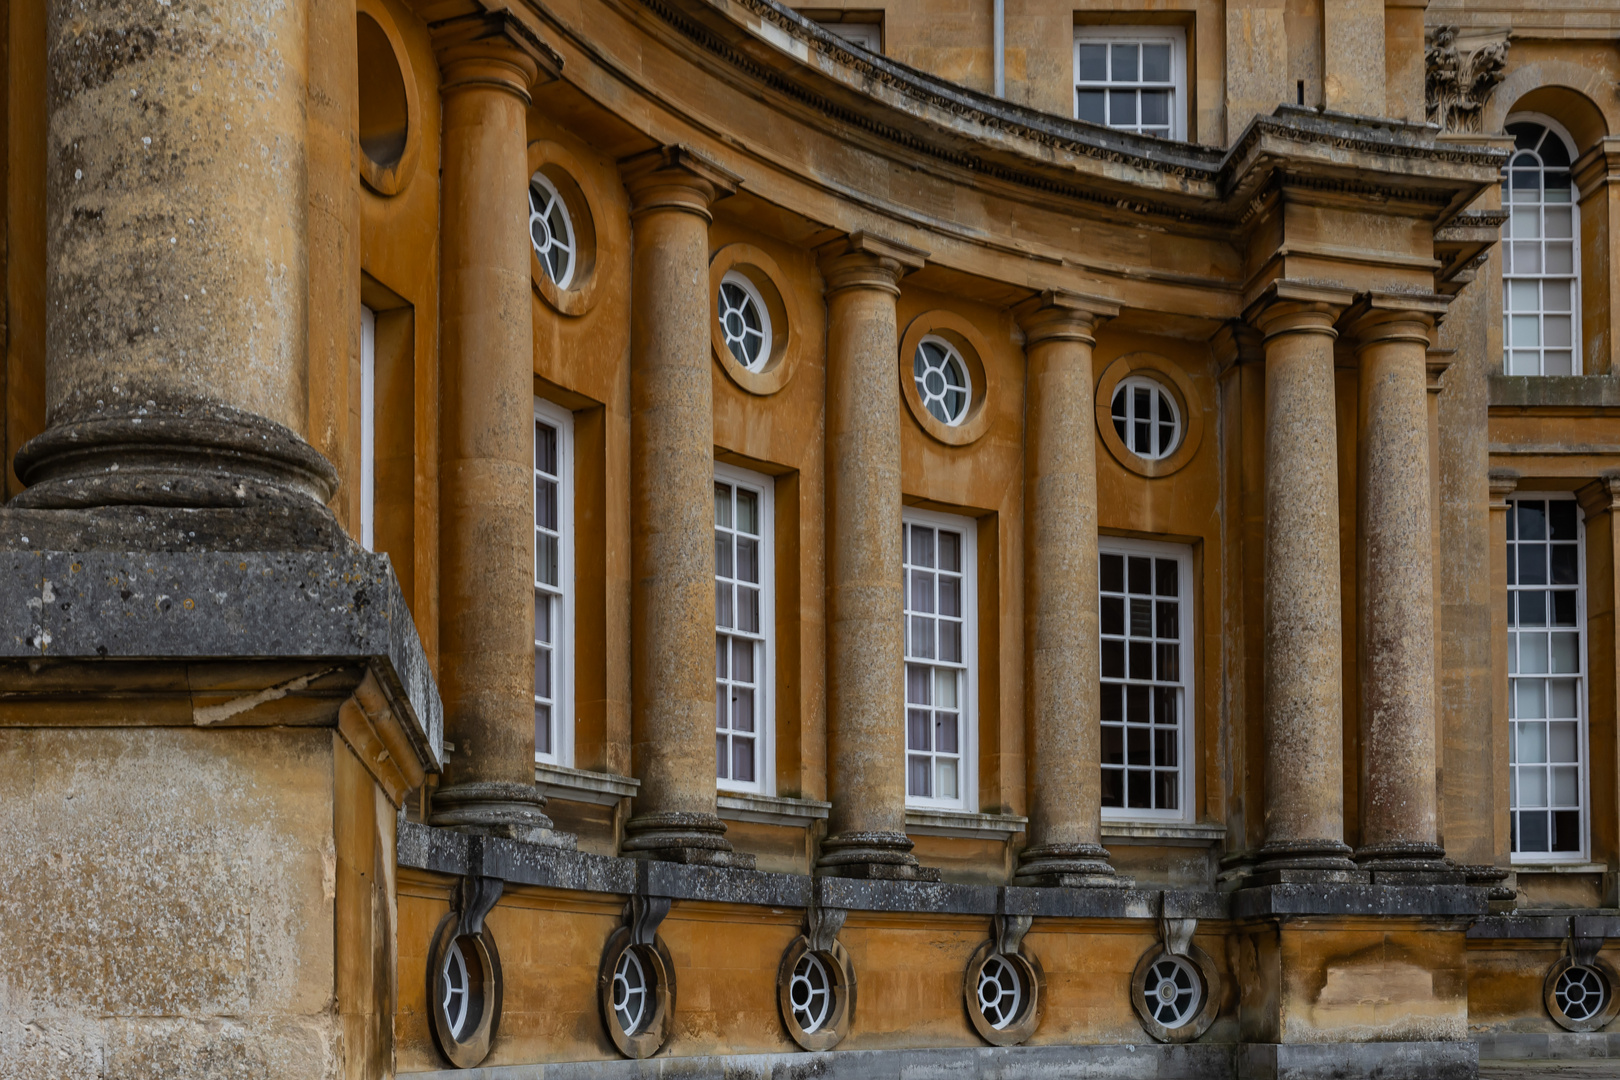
(1060, 595)
(1399, 797)
(672, 510)
(1304, 699)
(865, 583)
(489, 64)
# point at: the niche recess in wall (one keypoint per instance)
(389, 139)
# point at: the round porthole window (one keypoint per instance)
(1174, 995)
(1003, 992)
(1146, 418)
(637, 994)
(390, 141)
(1581, 997)
(464, 991)
(942, 380)
(745, 321)
(551, 230)
(816, 992)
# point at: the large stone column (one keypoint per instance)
(1399, 819)
(866, 705)
(176, 277)
(1304, 699)
(1060, 593)
(486, 546)
(672, 509)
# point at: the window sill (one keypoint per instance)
(771, 809)
(964, 824)
(1560, 868)
(1168, 833)
(578, 785)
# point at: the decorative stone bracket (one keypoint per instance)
(474, 898)
(642, 916)
(1176, 935)
(822, 925)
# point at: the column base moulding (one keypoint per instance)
(1409, 864)
(498, 808)
(1072, 866)
(1195, 1061)
(878, 856)
(682, 837)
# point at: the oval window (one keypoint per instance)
(1146, 418)
(551, 230)
(1173, 991)
(630, 993)
(745, 323)
(942, 380)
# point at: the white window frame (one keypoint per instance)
(1186, 758)
(1176, 36)
(1576, 347)
(968, 774)
(868, 35)
(751, 291)
(765, 698)
(1158, 392)
(368, 427)
(562, 649)
(1582, 691)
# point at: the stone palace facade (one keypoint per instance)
(649, 538)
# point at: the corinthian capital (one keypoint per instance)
(1463, 69)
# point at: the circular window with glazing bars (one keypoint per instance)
(745, 321)
(1581, 996)
(1176, 995)
(1003, 992)
(551, 230)
(1146, 418)
(942, 380)
(464, 991)
(636, 992)
(1173, 991)
(816, 992)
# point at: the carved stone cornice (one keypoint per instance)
(1463, 68)
(1601, 496)
(1503, 483)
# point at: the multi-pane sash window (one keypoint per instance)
(1541, 286)
(744, 623)
(1146, 665)
(1131, 78)
(940, 642)
(1546, 677)
(553, 581)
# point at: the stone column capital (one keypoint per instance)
(864, 261)
(1601, 496)
(1058, 315)
(676, 177)
(1503, 483)
(1384, 318)
(1289, 307)
(492, 49)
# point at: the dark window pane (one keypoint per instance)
(1561, 517)
(1164, 748)
(1141, 660)
(1140, 795)
(1119, 429)
(1093, 63)
(1513, 608)
(1168, 575)
(1532, 520)
(1169, 662)
(545, 448)
(1164, 705)
(1136, 704)
(1113, 788)
(1093, 109)
(1141, 618)
(1125, 66)
(1156, 107)
(1143, 443)
(922, 546)
(1564, 569)
(1155, 63)
(1532, 608)
(1113, 701)
(1168, 623)
(950, 551)
(1138, 747)
(542, 729)
(1113, 615)
(1532, 830)
(1563, 609)
(1121, 107)
(917, 724)
(721, 758)
(742, 760)
(1111, 576)
(945, 733)
(1141, 581)
(1532, 564)
(1164, 794)
(1113, 659)
(1512, 563)
(1113, 745)
(1566, 830)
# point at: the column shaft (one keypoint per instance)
(1304, 814)
(1399, 827)
(486, 545)
(865, 587)
(672, 510)
(1060, 596)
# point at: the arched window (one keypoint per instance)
(1541, 284)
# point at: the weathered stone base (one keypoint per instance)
(1195, 1061)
